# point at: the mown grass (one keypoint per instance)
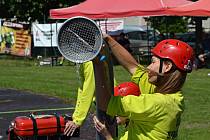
(196, 118)
(62, 82)
(59, 81)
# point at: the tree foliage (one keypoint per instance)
(169, 23)
(31, 10)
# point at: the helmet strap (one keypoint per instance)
(160, 74)
(161, 65)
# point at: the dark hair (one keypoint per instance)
(172, 81)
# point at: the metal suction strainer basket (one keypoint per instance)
(79, 39)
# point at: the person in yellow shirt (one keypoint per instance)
(84, 98)
(156, 113)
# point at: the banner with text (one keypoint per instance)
(15, 39)
(44, 35)
(111, 25)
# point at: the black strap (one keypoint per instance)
(161, 65)
(35, 129)
(58, 123)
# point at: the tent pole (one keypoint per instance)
(148, 44)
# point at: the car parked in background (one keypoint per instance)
(140, 37)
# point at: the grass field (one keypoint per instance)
(62, 82)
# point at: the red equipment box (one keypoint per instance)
(38, 125)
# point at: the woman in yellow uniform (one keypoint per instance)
(84, 97)
(156, 113)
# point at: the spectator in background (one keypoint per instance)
(124, 41)
(204, 57)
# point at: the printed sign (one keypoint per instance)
(15, 40)
(111, 25)
(44, 35)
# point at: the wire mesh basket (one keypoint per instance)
(79, 39)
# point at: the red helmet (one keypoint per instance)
(127, 88)
(179, 52)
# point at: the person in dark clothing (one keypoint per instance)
(124, 41)
(204, 57)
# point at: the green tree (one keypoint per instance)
(167, 24)
(30, 10)
(174, 24)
